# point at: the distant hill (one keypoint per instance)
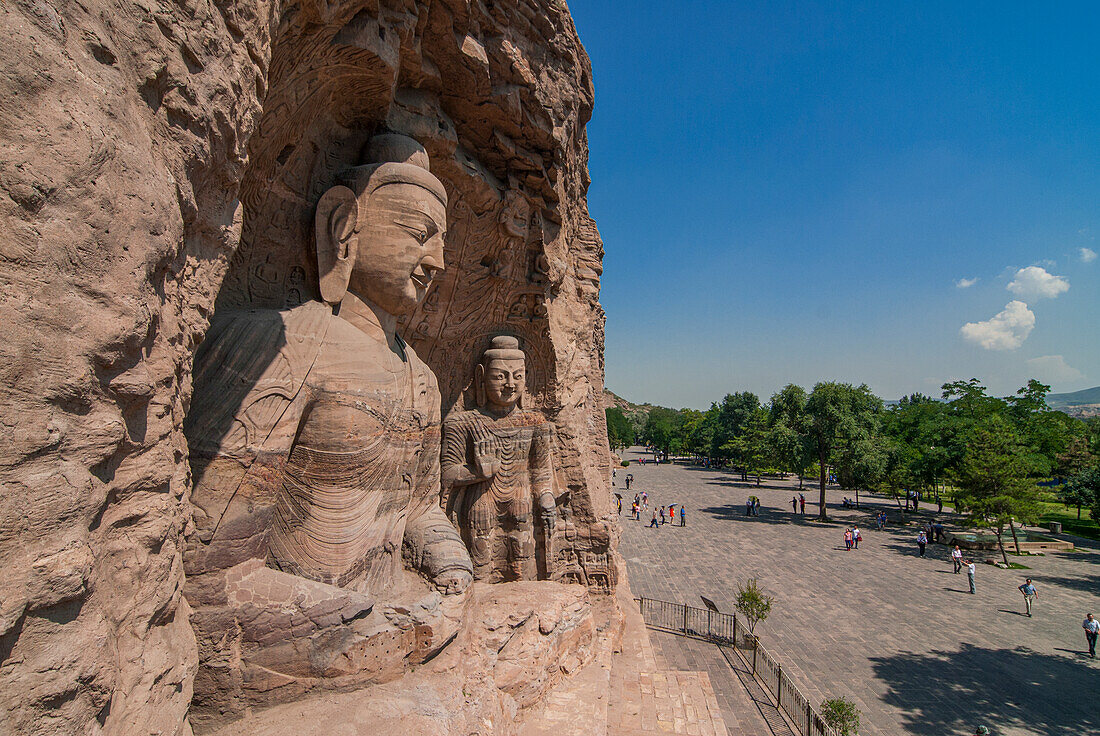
(1084, 403)
(1077, 398)
(636, 413)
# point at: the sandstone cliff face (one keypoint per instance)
(160, 160)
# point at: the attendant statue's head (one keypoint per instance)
(501, 376)
(380, 233)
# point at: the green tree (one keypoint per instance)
(968, 405)
(841, 715)
(838, 414)
(620, 432)
(662, 429)
(786, 423)
(731, 420)
(753, 602)
(752, 449)
(860, 461)
(995, 480)
(916, 428)
(1083, 489)
(898, 474)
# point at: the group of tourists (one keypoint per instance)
(852, 538)
(662, 515)
(752, 506)
(798, 504)
(668, 513)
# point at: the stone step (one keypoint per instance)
(666, 702)
(649, 698)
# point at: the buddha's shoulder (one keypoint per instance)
(420, 369)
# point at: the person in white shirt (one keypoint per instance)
(957, 558)
(970, 574)
(1092, 628)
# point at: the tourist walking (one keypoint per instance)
(653, 523)
(847, 539)
(1092, 628)
(662, 514)
(672, 514)
(957, 558)
(682, 522)
(1030, 595)
(802, 504)
(970, 575)
(922, 541)
(794, 505)
(856, 536)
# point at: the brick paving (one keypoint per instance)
(898, 634)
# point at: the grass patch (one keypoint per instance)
(1085, 527)
(1017, 566)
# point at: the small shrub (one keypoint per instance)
(841, 715)
(753, 602)
(625, 463)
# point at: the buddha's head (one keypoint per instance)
(380, 233)
(501, 376)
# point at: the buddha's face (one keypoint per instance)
(401, 230)
(505, 381)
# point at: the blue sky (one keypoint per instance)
(792, 192)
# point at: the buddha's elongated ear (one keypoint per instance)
(335, 226)
(479, 385)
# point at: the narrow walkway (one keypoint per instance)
(745, 706)
(649, 696)
(763, 701)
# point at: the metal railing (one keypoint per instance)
(722, 629)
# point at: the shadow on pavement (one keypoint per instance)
(1038, 693)
(736, 512)
(1084, 584)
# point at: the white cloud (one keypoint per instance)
(1088, 255)
(1036, 281)
(1007, 330)
(1053, 368)
(965, 283)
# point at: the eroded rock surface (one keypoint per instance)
(162, 161)
(516, 642)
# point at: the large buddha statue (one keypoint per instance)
(315, 437)
(496, 466)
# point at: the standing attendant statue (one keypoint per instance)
(496, 467)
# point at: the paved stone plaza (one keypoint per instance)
(898, 634)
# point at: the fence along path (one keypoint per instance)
(723, 629)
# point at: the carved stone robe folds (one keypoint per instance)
(315, 451)
(327, 464)
(496, 516)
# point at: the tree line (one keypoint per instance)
(994, 450)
